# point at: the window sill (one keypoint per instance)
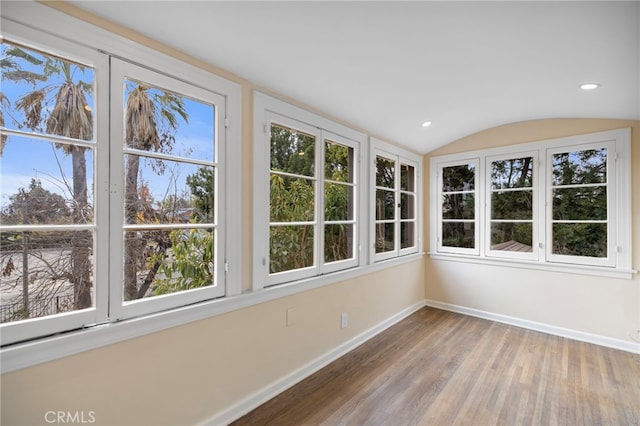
(27, 354)
(536, 265)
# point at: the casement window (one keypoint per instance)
(395, 211)
(458, 207)
(113, 183)
(307, 186)
(50, 222)
(512, 206)
(166, 178)
(581, 204)
(557, 203)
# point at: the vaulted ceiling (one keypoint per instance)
(389, 66)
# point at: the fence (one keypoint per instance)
(37, 308)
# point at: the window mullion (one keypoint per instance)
(320, 201)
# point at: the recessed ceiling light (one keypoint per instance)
(426, 124)
(589, 86)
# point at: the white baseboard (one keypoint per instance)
(537, 326)
(263, 395)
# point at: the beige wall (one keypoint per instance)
(601, 306)
(189, 374)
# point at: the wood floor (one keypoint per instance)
(441, 368)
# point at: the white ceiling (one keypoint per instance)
(388, 66)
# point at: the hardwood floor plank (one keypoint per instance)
(441, 368)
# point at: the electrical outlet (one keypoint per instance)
(344, 320)
(291, 317)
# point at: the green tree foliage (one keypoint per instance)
(201, 185)
(580, 194)
(36, 206)
(512, 199)
(189, 264)
(458, 204)
(292, 199)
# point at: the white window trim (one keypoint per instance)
(611, 185)
(478, 212)
(121, 70)
(34, 24)
(16, 331)
(537, 199)
(267, 110)
(400, 156)
(620, 267)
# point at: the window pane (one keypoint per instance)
(580, 239)
(54, 186)
(338, 242)
(385, 172)
(45, 273)
(407, 178)
(512, 205)
(163, 191)
(46, 94)
(292, 151)
(167, 261)
(511, 236)
(338, 160)
(458, 234)
(385, 239)
(338, 202)
(407, 206)
(580, 167)
(513, 173)
(160, 120)
(458, 178)
(407, 234)
(291, 199)
(588, 203)
(458, 206)
(291, 247)
(385, 204)
(201, 186)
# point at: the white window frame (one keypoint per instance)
(23, 330)
(610, 259)
(478, 191)
(269, 110)
(121, 70)
(536, 193)
(82, 42)
(399, 156)
(618, 262)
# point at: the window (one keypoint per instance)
(50, 179)
(395, 223)
(307, 207)
(165, 179)
(458, 209)
(512, 206)
(581, 202)
(113, 183)
(562, 202)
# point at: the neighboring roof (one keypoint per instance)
(512, 246)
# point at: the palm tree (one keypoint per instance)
(150, 122)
